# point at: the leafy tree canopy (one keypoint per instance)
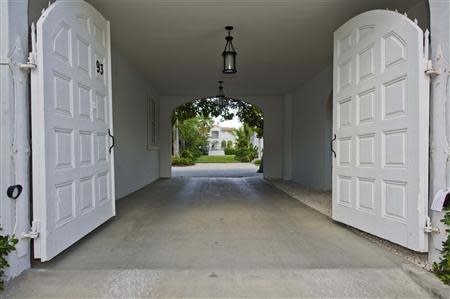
(194, 136)
(208, 107)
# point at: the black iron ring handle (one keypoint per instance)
(332, 149)
(113, 141)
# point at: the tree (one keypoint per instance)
(245, 151)
(193, 134)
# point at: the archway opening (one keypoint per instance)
(217, 137)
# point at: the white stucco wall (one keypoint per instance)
(311, 133)
(439, 117)
(135, 165)
(272, 107)
(14, 131)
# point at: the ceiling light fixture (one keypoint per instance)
(221, 98)
(229, 54)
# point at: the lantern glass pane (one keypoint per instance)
(228, 61)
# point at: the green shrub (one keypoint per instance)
(442, 269)
(229, 151)
(257, 162)
(7, 245)
(246, 154)
(182, 161)
(192, 154)
(245, 151)
(187, 154)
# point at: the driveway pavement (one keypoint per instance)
(219, 238)
(235, 170)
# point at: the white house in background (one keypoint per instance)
(218, 138)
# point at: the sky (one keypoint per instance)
(234, 123)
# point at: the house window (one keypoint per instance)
(152, 124)
(215, 134)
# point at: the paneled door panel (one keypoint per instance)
(73, 171)
(380, 118)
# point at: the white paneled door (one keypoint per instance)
(380, 122)
(73, 171)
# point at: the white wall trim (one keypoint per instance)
(439, 115)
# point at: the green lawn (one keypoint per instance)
(217, 159)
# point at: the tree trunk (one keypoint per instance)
(261, 166)
(176, 140)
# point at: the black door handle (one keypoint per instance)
(113, 141)
(332, 149)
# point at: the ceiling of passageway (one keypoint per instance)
(177, 43)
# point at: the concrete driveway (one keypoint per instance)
(235, 170)
(215, 238)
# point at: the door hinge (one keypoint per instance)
(31, 63)
(34, 232)
(429, 228)
(431, 70)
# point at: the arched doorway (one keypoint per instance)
(213, 138)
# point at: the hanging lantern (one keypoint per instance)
(221, 98)
(229, 54)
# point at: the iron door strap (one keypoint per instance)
(113, 141)
(332, 149)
